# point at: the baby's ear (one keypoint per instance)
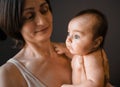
(98, 41)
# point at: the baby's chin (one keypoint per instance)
(77, 53)
(74, 53)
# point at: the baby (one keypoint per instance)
(86, 34)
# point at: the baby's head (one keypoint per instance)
(87, 31)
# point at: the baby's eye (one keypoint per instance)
(44, 9)
(76, 36)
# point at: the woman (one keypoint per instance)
(29, 23)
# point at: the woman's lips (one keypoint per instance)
(41, 30)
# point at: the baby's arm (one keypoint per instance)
(93, 71)
(78, 72)
(61, 48)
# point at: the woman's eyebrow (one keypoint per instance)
(43, 4)
(31, 8)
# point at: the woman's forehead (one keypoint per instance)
(32, 3)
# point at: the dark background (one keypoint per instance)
(63, 11)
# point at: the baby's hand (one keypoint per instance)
(61, 48)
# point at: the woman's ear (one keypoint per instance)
(98, 41)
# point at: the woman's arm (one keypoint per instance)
(5, 78)
(10, 76)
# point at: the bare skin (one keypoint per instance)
(49, 70)
(38, 55)
(78, 68)
(89, 62)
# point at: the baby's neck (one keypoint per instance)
(93, 50)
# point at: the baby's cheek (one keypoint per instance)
(77, 48)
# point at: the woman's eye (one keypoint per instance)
(76, 36)
(29, 16)
(44, 10)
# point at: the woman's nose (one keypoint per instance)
(40, 19)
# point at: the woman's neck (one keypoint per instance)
(38, 50)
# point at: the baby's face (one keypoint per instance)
(80, 36)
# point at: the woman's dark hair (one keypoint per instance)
(2, 35)
(48, 1)
(11, 20)
(101, 26)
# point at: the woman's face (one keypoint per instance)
(37, 21)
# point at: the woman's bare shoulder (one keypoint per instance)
(6, 69)
(8, 75)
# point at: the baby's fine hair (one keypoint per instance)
(101, 25)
